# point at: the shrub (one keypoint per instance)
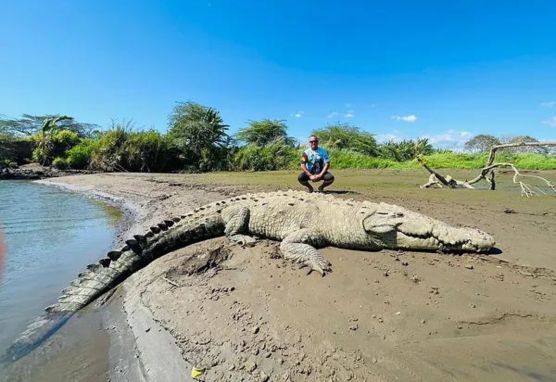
(352, 159)
(406, 149)
(108, 152)
(272, 157)
(52, 144)
(60, 163)
(146, 151)
(15, 149)
(79, 156)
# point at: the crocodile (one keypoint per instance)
(302, 222)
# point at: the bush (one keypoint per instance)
(15, 149)
(120, 149)
(272, 157)
(52, 144)
(525, 161)
(456, 160)
(530, 161)
(146, 151)
(406, 149)
(60, 163)
(352, 159)
(108, 152)
(79, 156)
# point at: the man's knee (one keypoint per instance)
(328, 177)
(303, 178)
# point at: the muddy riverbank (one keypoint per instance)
(379, 316)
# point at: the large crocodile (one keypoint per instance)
(301, 221)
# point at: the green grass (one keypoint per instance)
(343, 159)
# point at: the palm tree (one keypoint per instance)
(45, 145)
(197, 131)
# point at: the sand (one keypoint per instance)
(379, 316)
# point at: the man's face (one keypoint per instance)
(314, 142)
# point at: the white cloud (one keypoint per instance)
(550, 121)
(549, 104)
(451, 139)
(383, 138)
(347, 114)
(405, 118)
(297, 114)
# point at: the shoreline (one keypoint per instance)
(130, 211)
(154, 359)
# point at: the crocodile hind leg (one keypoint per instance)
(237, 224)
(299, 247)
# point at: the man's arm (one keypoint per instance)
(304, 168)
(324, 169)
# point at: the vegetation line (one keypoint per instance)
(197, 141)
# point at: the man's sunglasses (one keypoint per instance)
(313, 141)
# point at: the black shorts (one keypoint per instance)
(327, 177)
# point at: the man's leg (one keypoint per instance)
(304, 180)
(327, 180)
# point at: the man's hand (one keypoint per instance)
(315, 178)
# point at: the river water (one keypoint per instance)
(47, 237)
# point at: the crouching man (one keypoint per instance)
(315, 164)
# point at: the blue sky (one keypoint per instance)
(446, 70)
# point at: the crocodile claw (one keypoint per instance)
(321, 268)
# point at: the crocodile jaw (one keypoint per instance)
(397, 227)
(454, 239)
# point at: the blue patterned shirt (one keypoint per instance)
(315, 159)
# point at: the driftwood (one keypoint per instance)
(487, 172)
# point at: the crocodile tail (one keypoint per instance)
(98, 278)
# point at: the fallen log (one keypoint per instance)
(487, 172)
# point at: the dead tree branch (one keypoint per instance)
(487, 172)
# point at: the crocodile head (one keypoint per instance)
(396, 227)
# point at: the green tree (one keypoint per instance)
(264, 132)
(406, 149)
(345, 136)
(52, 140)
(199, 134)
(481, 143)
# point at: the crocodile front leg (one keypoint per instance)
(299, 247)
(237, 224)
